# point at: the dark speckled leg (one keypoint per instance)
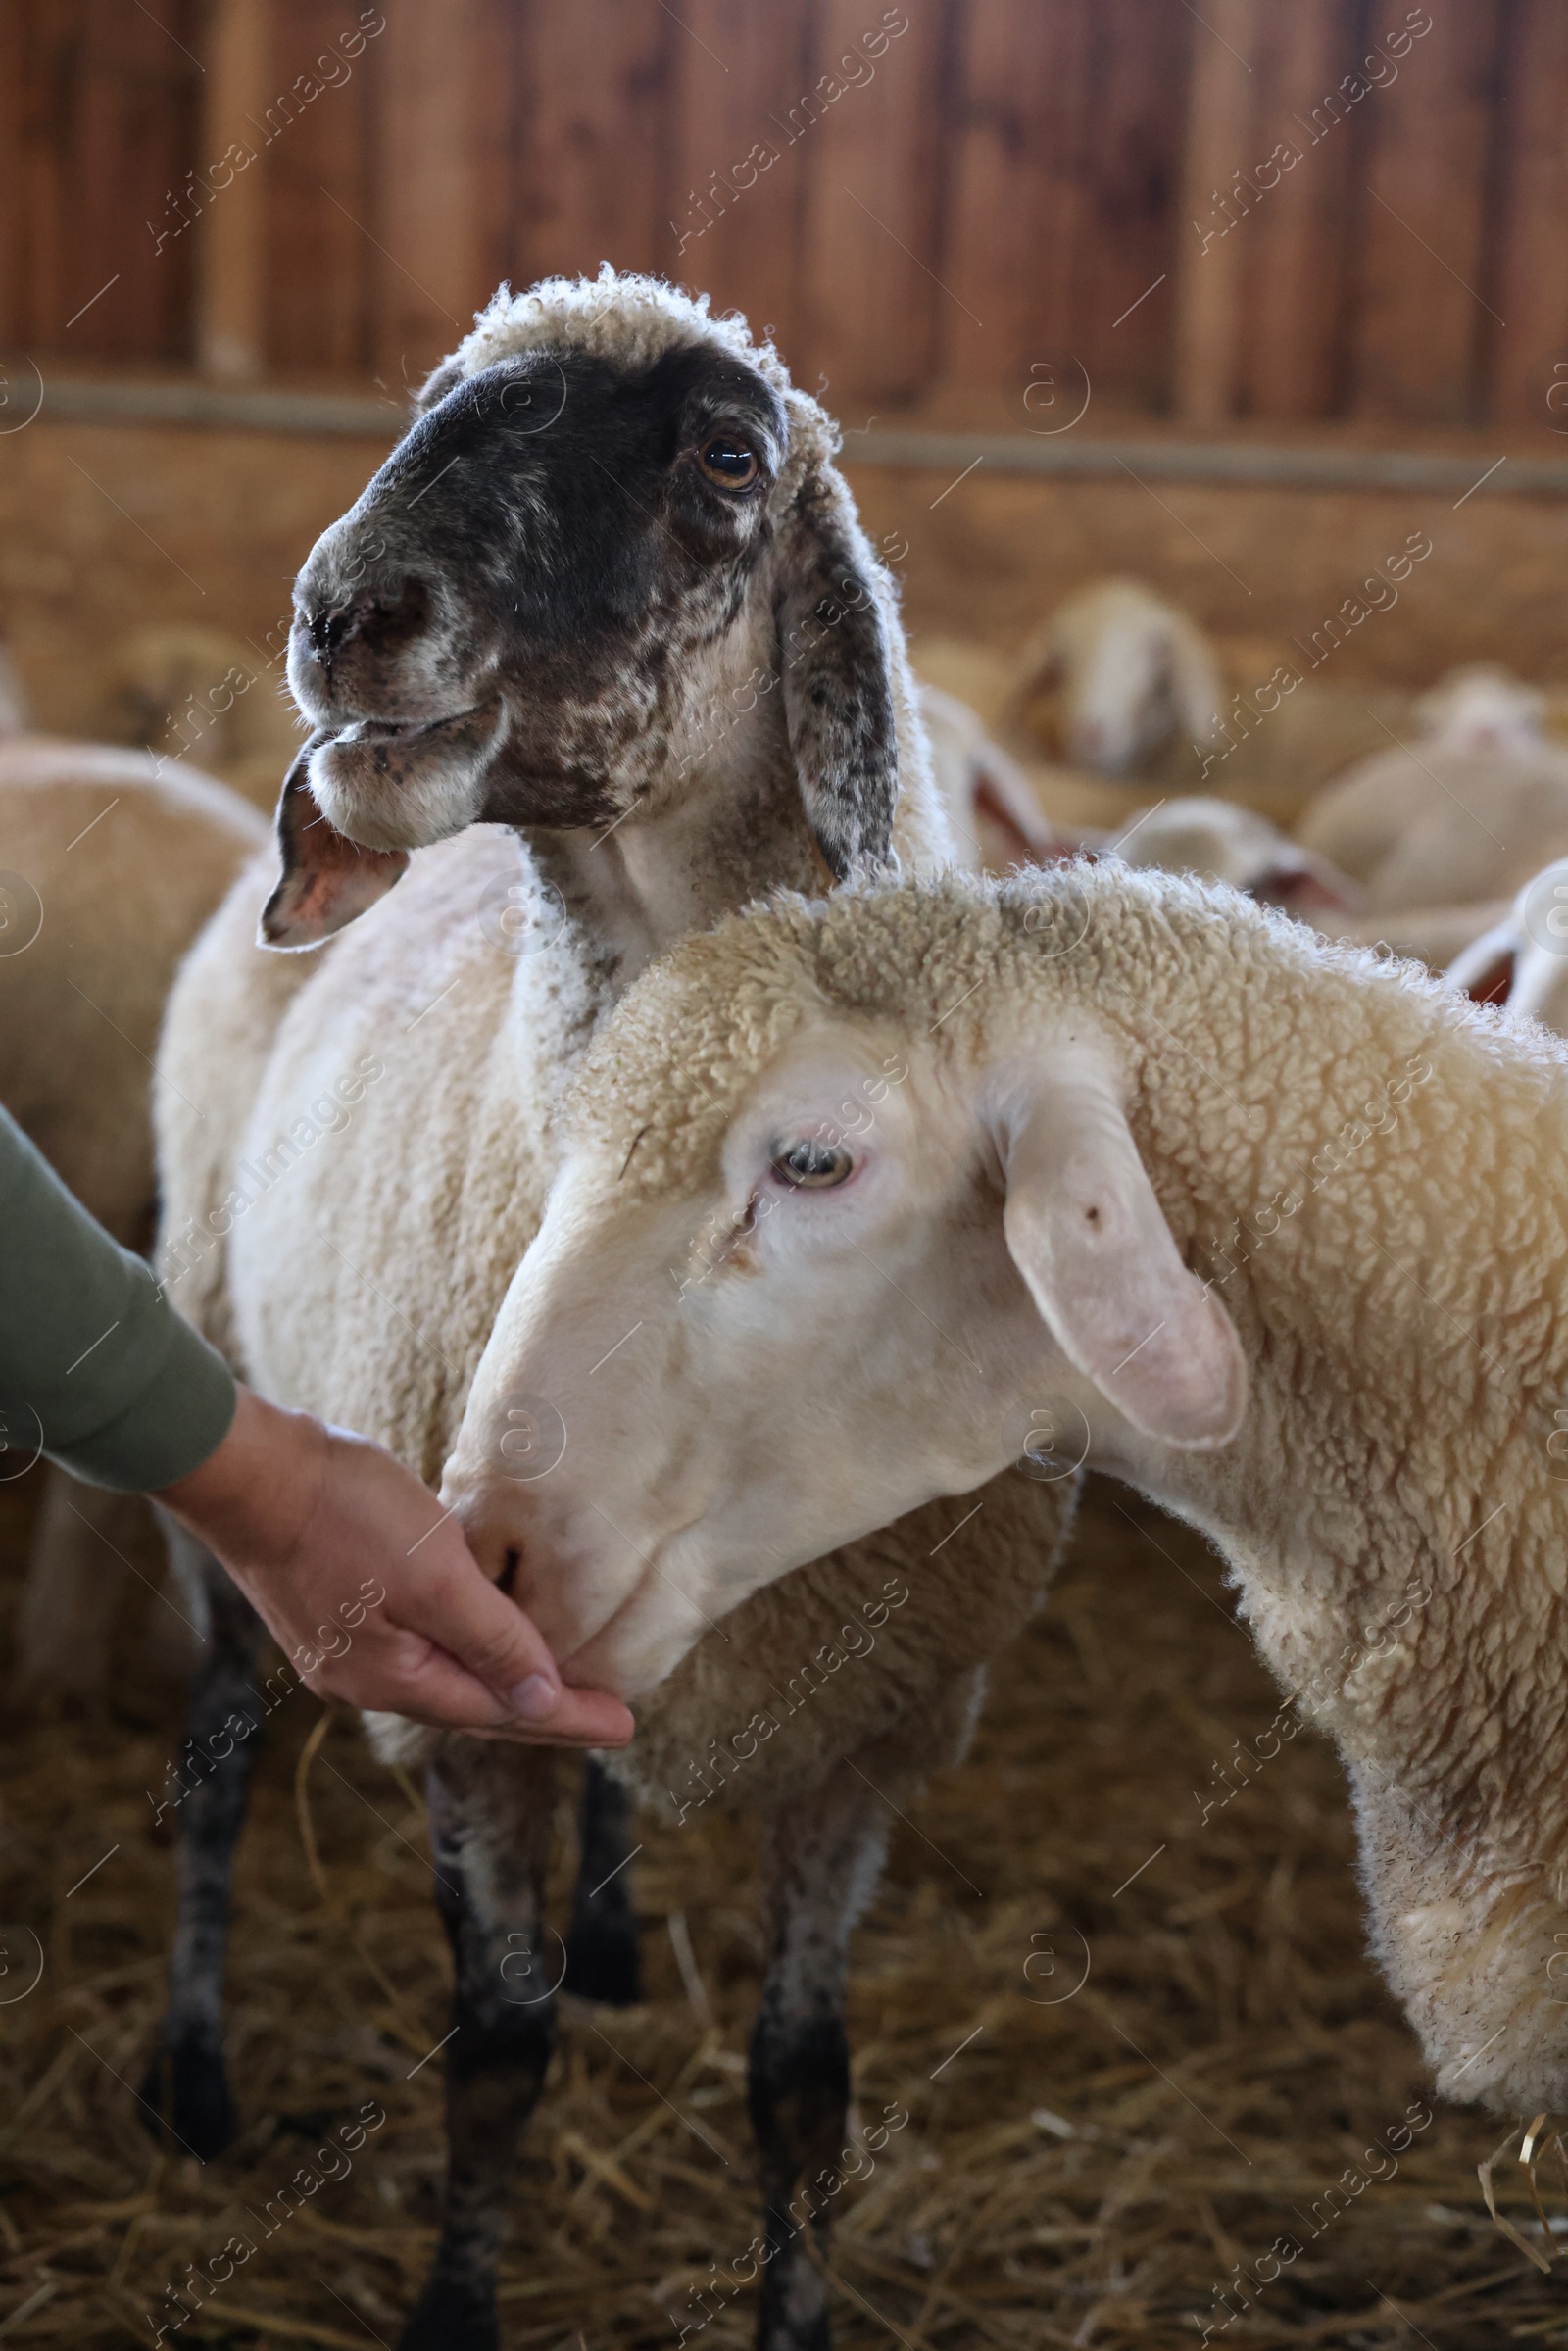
(602, 1945)
(490, 1818)
(821, 1869)
(185, 2088)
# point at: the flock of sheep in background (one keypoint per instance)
(1450, 805)
(1369, 816)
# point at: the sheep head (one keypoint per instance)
(611, 535)
(773, 1312)
(1114, 674)
(1482, 707)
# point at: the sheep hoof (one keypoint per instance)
(601, 1964)
(185, 2092)
(776, 2330)
(452, 2315)
(792, 2311)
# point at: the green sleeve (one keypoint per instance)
(96, 1368)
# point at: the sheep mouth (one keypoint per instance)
(407, 730)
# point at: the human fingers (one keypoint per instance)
(396, 1669)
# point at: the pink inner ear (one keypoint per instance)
(1036, 847)
(1086, 1231)
(1495, 985)
(1297, 892)
(327, 880)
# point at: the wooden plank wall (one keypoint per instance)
(1277, 208)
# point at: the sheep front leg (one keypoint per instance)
(602, 1942)
(187, 2085)
(490, 1825)
(821, 1863)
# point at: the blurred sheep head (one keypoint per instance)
(1482, 707)
(1115, 673)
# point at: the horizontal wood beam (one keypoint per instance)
(1242, 465)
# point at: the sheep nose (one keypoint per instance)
(499, 1558)
(491, 1542)
(381, 621)
(330, 626)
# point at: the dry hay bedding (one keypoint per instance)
(1081, 2166)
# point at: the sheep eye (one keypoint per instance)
(813, 1167)
(729, 462)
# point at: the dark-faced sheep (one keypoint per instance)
(611, 593)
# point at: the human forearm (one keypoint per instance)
(96, 1368)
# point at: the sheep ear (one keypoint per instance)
(1002, 793)
(1197, 687)
(838, 681)
(1486, 970)
(1041, 668)
(1040, 672)
(326, 879)
(1088, 1235)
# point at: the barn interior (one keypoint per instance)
(1236, 303)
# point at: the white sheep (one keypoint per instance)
(1072, 802)
(697, 690)
(1272, 1231)
(1222, 841)
(999, 812)
(1121, 680)
(1226, 842)
(1116, 678)
(1467, 811)
(1480, 706)
(1431, 935)
(113, 863)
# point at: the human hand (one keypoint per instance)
(305, 1518)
